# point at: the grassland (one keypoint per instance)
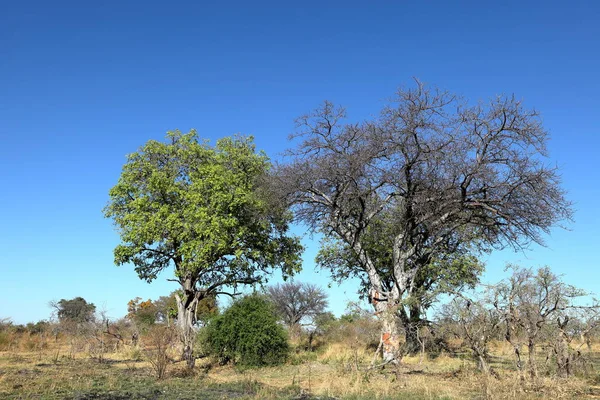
(337, 371)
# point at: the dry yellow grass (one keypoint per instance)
(342, 372)
(337, 370)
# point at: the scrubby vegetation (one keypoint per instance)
(478, 346)
(405, 203)
(247, 333)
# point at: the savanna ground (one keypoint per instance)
(52, 370)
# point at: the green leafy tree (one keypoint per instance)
(143, 313)
(166, 308)
(247, 333)
(76, 310)
(205, 211)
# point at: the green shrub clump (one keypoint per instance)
(247, 334)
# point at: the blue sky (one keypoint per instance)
(82, 85)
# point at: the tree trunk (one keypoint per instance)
(411, 322)
(563, 353)
(532, 360)
(482, 364)
(588, 341)
(518, 361)
(186, 314)
(390, 337)
(510, 338)
(412, 344)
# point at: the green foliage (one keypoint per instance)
(76, 310)
(143, 313)
(445, 272)
(39, 327)
(247, 334)
(324, 321)
(201, 209)
(164, 310)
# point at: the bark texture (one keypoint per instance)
(390, 335)
(186, 320)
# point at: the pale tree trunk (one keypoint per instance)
(186, 317)
(511, 338)
(390, 336)
(562, 350)
(563, 358)
(482, 364)
(588, 340)
(532, 361)
(410, 316)
(518, 361)
(386, 304)
(483, 360)
(385, 308)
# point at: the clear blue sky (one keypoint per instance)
(81, 85)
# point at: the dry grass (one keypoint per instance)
(338, 371)
(342, 372)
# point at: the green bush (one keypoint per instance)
(247, 334)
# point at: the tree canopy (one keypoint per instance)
(441, 178)
(200, 209)
(296, 301)
(76, 310)
(203, 210)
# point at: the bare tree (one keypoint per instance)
(158, 344)
(576, 322)
(506, 304)
(433, 178)
(589, 325)
(298, 302)
(477, 322)
(529, 302)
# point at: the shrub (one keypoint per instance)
(358, 327)
(7, 335)
(6, 340)
(247, 334)
(158, 342)
(39, 327)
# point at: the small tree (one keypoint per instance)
(157, 344)
(476, 321)
(247, 333)
(6, 336)
(142, 313)
(297, 302)
(166, 307)
(576, 322)
(529, 302)
(76, 310)
(77, 318)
